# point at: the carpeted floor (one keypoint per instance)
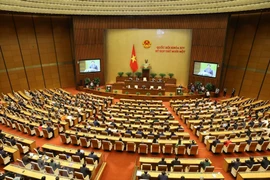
(120, 165)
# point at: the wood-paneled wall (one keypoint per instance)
(247, 55)
(36, 52)
(209, 32)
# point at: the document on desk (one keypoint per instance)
(139, 173)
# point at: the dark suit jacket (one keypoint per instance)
(85, 171)
(175, 162)
(13, 142)
(2, 136)
(249, 163)
(215, 142)
(26, 160)
(265, 163)
(162, 177)
(80, 154)
(95, 157)
(145, 176)
(236, 164)
(162, 163)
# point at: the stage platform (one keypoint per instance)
(117, 94)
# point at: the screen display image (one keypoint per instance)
(89, 65)
(205, 69)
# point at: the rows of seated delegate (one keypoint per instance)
(243, 128)
(46, 108)
(56, 161)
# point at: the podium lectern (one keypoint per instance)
(146, 73)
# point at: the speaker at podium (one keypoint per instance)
(108, 88)
(179, 91)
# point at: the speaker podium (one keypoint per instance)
(146, 73)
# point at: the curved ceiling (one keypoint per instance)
(131, 7)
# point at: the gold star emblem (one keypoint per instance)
(133, 58)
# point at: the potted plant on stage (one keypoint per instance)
(96, 81)
(209, 87)
(162, 75)
(138, 93)
(170, 80)
(87, 82)
(129, 74)
(138, 74)
(153, 75)
(148, 94)
(160, 94)
(120, 77)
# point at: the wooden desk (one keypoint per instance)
(253, 175)
(74, 165)
(143, 91)
(15, 152)
(30, 173)
(26, 142)
(24, 96)
(59, 149)
(261, 107)
(227, 161)
(229, 99)
(177, 175)
(216, 133)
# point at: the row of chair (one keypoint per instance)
(130, 146)
(242, 147)
(255, 167)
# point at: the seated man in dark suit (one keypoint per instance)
(175, 161)
(261, 141)
(26, 159)
(85, 170)
(265, 162)
(205, 163)
(192, 144)
(79, 153)
(13, 141)
(163, 176)
(250, 162)
(145, 175)
(2, 135)
(95, 157)
(249, 140)
(215, 142)
(162, 162)
(50, 130)
(236, 164)
(54, 165)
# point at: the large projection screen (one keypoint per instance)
(169, 51)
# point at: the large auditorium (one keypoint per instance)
(134, 89)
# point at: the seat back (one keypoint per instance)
(20, 147)
(76, 158)
(264, 145)
(143, 148)
(230, 148)
(63, 172)
(131, 147)
(155, 148)
(45, 133)
(252, 146)
(177, 168)
(194, 150)
(168, 148)
(147, 167)
(242, 147)
(20, 162)
(83, 141)
(95, 143)
(49, 169)
(162, 168)
(37, 131)
(255, 167)
(74, 139)
(63, 157)
(28, 130)
(63, 138)
(35, 166)
(21, 127)
(242, 168)
(209, 169)
(193, 168)
(119, 145)
(89, 160)
(50, 154)
(106, 145)
(78, 175)
(8, 178)
(219, 148)
(180, 150)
